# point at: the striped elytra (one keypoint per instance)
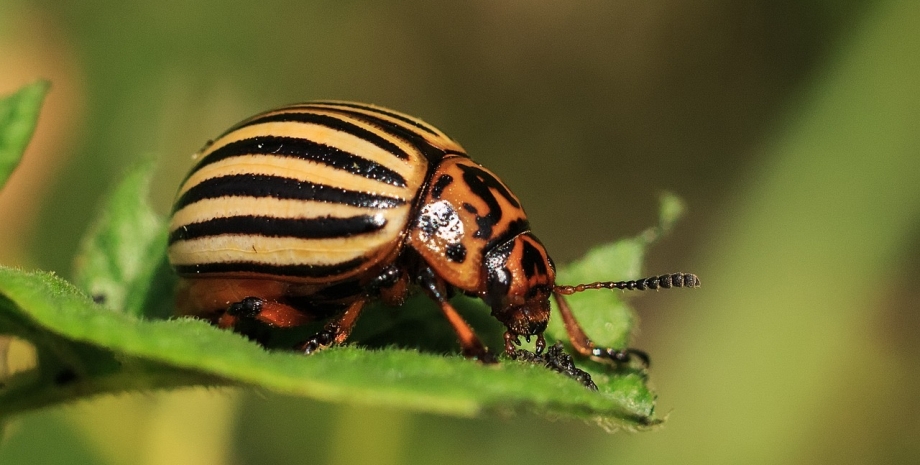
(316, 209)
(316, 192)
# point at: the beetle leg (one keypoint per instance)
(270, 312)
(392, 284)
(470, 345)
(511, 340)
(336, 331)
(582, 344)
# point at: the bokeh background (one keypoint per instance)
(791, 129)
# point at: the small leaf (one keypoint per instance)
(195, 352)
(672, 209)
(18, 117)
(602, 313)
(123, 251)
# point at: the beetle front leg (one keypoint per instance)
(582, 344)
(470, 345)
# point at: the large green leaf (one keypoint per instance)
(18, 116)
(101, 351)
(98, 337)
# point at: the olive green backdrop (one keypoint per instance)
(790, 128)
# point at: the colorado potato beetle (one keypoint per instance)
(313, 210)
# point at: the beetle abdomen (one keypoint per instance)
(316, 192)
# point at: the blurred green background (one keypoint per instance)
(791, 129)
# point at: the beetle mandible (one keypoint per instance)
(313, 210)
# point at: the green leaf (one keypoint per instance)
(18, 116)
(154, 354)
(85, 348)
(604, 314)
(121, 262)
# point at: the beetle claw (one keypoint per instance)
(540, 344)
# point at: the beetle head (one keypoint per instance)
(519, 279)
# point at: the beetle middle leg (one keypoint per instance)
(582, 344)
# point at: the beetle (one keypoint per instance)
(313, 210)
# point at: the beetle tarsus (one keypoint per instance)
(319, 340)
(621, 356)
(556, 359)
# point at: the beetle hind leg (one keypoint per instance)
(269, 312)
(336, 331)
(583, 345)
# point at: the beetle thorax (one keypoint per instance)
(465, 212)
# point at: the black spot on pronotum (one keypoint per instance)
(99, 298)
(456, 253)
(440, 185)
(482, 184)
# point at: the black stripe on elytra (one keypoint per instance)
(423, 126)
(332, 123)
(299, 271)
(304, 149)
(260, 185)
(433, 154)
(303, 228)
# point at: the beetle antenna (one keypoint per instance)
(665, 281)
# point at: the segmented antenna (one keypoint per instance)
(665, 281)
